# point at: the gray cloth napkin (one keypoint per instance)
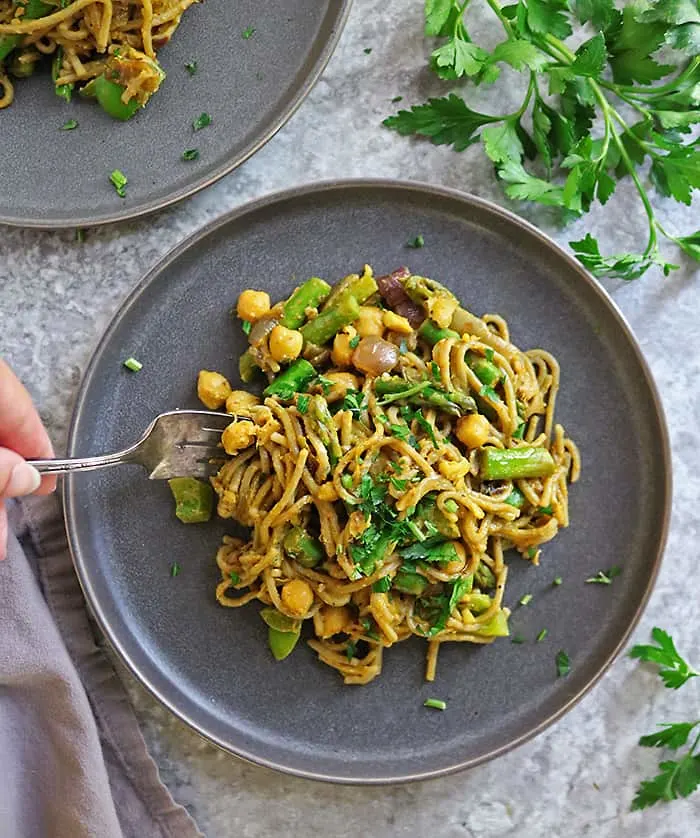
(73, 762)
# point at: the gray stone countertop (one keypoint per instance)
(577, 778)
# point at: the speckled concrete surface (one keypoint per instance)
(577, 779)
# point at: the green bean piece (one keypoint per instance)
(360, 288)
(279, 622)
(497, 626)
(487, 372)
(303, 548)
(331, 320)
(247, 368)
(293, 380)
(432, 333)
(309, 295)
(282, 643)
(409, 583)
(515, 463)
(476, 602)
(194, 499)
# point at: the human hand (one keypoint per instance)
(21, 435)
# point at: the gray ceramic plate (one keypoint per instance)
(54, 178)
(210, 665)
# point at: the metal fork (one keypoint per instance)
(180, 443)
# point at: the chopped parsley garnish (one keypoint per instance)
(353, 342)
(367, 50)
(350, 650)
(541, 636)
(488, 352)
(303, 406)
(190, 154)
(79, 235)
(174, 569)
(69, 125)
(381, 586)
(397, 99)
(426, 426)
(435, 370)
(604, 577)
(525, 599)
(324, 383)
(133, 365)
(557, 581)
(368, 628)
(399, 485)
(531, 552)
(354, 402)
(119, 181)
(435, 703)
(519, 432)
(246, 325)
(191, 67)
(201, 122)
(545, 510)
(489, 393)
(416, 243)
(563, 663)
(517, 638)
(248, 33)
(234, 577)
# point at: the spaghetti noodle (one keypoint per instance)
(105, 48)
(385, 473)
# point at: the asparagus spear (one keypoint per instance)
(423, 394)
(309, 295)
(486, 371)
(328, 433)
(360, 288)
(515, 463)
(432, 333)
(331, 320)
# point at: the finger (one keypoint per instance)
(3, 531)
(20, 426)
(17, 477)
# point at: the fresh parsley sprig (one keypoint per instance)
(615, 70)
(681, 777)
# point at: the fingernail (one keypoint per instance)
(24, 479)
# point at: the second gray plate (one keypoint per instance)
(211, 665)
(249, 87)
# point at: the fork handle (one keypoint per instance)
(66, 466)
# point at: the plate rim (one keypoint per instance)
(276, 123)
(428, 190)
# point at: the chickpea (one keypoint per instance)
(370, 323)
(327, 492)
(285, 344)
(212, 389)
(252, 305)
(237, 436)
(341, 355)
(297, 596)
(397, 323)
(240, 401)
(342, 382)
(473, 430)
(330, 620)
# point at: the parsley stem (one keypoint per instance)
(641, 90)
(560, 47)
(496, 9)
(613, 88)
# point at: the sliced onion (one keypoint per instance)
(261, 329)
(391, 288)
(375, 356)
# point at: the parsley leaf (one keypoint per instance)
(248, 33)
(201, 122)
(673, 669)
(191, 67)
(563, 664)
(671, 736)
(677, 779)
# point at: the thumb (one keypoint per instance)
(17, 477)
